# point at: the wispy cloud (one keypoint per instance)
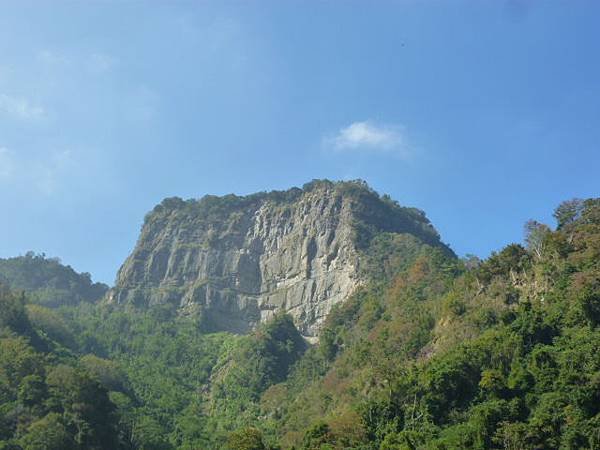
(44, 172)
(52, 58)
(20, 108)
(52, 170)
(95, 62)
(369, 137)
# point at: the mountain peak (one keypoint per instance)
(235, 261)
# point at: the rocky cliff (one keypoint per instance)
(235, 261)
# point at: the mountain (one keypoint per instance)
(235, 262)
(425, 351)
(48, 282)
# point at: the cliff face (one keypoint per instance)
(236, 261)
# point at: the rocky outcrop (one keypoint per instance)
(236, 261)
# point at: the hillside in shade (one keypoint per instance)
(47, 281)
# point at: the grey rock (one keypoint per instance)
(236, 261)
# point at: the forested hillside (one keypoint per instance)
(48, 282)
(433, 352)
(50, 396)
(501, 353)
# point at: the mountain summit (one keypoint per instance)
(236, 261)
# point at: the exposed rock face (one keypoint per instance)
(236, 261)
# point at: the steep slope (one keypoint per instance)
(431, 352)
(49, 397)
(502, 353)
(235, 261)
(49, 282)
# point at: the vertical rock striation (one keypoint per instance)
(236, 261)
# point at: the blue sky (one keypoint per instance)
(482, 113)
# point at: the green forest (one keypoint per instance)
(434, 352)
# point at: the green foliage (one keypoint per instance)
(248, 369)
(164, 363)
(246, 439)
(513, 258)
(375, 214)
(48, 433)
(149, 434)
(12, 312)
(568, 212)
(85, 406)
(509, 359)
(317, 437)
(50, 324)
(46, 401)
(32, 391)
(430, 353)
(108, 373)
(48, 282)
(589, 299)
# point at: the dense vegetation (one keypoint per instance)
(502, 353)
(434, 353)
(48, 282)
(374, 213)
(49, 398)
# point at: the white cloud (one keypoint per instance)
(45, 172)
(371, 137)
(20, 108)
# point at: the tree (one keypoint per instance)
(51, 324)
(12, 312)
(32, 390)
(568, 212)
(317, 436)
(471, 261)
(108, 373)
(190, 428)
(48, 433)
(535, 236)
(85, 406)
(492, 383)
(589, 299)
(149, 434)
(246, 439)
(17, 360)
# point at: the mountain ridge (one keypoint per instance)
(434, 352)
(48, 281)
(235, 261)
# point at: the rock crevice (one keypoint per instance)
(237, 261)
